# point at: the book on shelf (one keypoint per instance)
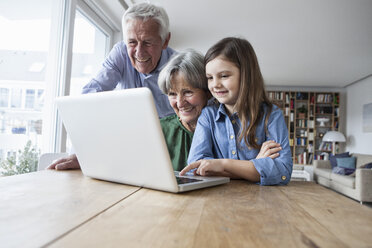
(303, 158)
(311, 136)
(301, 141)
(324, 98)
(302, 123)
(274, 95)
(311, 158)
(286, 111)
(312, 99)
(310, 123)
(336, 99)
(336, 111)
(287, 98)
(319, 157)
(325, 146)
(335, 125)
(310, 148)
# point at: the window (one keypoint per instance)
(4, 97)
(30, 99)
(89, 51)
(16, 98)
(35, 66)
(24, 47)
(90, 46)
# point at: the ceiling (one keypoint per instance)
(318, 43)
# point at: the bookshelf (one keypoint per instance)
(308, 115)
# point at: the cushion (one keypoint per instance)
(346, 162)
(343, 171)
(332, 158)
(367, 166)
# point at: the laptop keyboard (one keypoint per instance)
(183, 180)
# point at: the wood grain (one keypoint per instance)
(37, 208)
(344, 217)
(238, 214)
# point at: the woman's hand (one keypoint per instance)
(269, 149)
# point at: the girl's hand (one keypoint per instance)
(206, 167)
(269, 149)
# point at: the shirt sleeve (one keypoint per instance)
(276, 171)
(110, 73)
(201, 145)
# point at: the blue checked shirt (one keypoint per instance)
(216, 136)
(118, 73)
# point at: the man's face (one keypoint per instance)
(144, 44)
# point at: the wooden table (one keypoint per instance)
(66, 209)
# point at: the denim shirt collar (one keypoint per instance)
(222, 113)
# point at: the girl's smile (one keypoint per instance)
(223, 81)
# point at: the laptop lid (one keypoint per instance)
(117, 137)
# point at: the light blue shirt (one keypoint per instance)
(118, 73)
(216, 136)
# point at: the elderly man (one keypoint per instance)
(135, 62)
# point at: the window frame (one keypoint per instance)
(60, 63)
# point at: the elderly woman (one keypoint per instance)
(183, 80)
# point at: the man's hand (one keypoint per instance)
(70, 162)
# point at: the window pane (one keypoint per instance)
(4, 97)
(30, 99)
(39, 100)
(16, 98)
(89, 51)
(24, 44)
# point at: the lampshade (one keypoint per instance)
(334, 136)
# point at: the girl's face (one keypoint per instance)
(186, 101)
(223, 81)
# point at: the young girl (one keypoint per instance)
(230, 133)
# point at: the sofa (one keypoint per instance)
(357, 185)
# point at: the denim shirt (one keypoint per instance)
(216, 136)
(117, 72)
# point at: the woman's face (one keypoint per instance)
(186, 101)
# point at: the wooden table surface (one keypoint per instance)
(66, 209)
(40, 207)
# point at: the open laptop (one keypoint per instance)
(117, 137)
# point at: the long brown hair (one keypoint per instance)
(252, 95)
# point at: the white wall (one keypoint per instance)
(358, 94)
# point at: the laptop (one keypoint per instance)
(117, 137)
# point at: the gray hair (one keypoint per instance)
(146, 11)
(191, 64)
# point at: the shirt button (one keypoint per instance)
(284, 177)
(233, 152)
(231, 136)
(233, 121)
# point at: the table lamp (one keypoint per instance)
(334, 136)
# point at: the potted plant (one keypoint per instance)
(302, 112)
